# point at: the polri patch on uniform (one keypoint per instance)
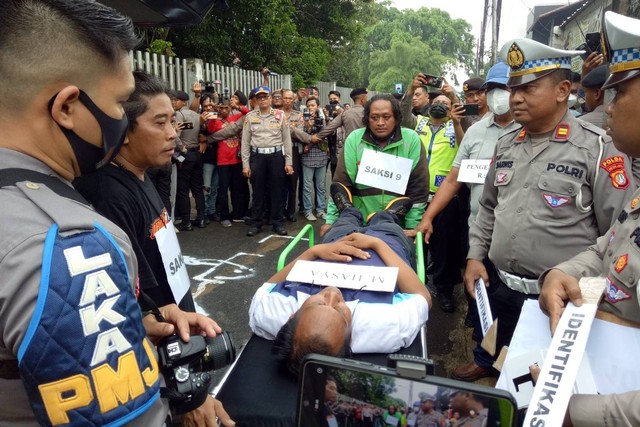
(614, 165)
(614, 294)
(521, 136)
(501, 178)
(562, 132)
(621, 263)
(555, 201)
(634, 203)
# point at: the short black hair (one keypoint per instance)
(290, 355)
(336, 93)
(312, 98)
(44, 41)
(395, 107)
(561, 74)
(147, 87)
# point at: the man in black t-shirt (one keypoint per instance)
(123, 192)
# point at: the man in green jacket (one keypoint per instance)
(382, 162)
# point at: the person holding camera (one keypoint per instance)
(122, 192)
(314, 164)
(231, 181)
(441, 134)
(69, 312)
(190, 177)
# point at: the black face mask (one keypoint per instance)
(89, 157)
(438, 111)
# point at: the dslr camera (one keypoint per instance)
(186, 367)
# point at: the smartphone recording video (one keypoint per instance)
(433, 81)
(331, 390)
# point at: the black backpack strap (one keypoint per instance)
(11, 176)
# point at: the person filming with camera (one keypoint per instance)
(314, 164)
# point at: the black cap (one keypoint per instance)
(357, 92)
(181, 95)
(596, 77)
(474, 83)
(252, 94)
(241, 96)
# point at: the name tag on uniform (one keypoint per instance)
(474, 170)
(173, 261)
(384, 171)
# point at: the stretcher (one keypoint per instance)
(257, 392)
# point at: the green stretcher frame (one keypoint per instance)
(308, 230)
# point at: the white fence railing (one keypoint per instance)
(180, 74)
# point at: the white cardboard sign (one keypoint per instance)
(474, 170)
(482, 302)
(384, 171)
(173, 262)
(369, 278)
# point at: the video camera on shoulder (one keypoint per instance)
(186, 367)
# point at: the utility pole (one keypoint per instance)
(480, 53)
(496, 7)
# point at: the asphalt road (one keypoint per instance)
(226, 267)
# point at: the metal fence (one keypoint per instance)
(180, 74)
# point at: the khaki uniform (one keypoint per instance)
(548, 207)
(265, 131)
(479, 420)
(299, 137)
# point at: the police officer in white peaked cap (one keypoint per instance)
(616, 255)
(555, 186)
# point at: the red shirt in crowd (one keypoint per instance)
(228, 149)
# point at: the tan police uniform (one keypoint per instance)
(615, 255)
(552, 195)
(266, 149)
(475, 420)
(299, 137)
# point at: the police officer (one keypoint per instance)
(68, 308)
(594, 95)
(615, 255)
(266, 158)
(558, 183)
(471, 409)
(474, 93)
(190, 176)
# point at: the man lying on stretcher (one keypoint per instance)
(305, 318)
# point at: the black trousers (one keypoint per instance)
(291, 189)
(506, 305)
(267, 180)
(445, 247)
(190, 179)
(231, 180)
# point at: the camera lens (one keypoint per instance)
(220, 352)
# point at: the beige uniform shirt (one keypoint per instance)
(188, 138)
(264, 131)
(350, 119)
(295, 121)
(547, 207)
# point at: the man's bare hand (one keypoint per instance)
(449, 91)
(594, 60)
(197, 87)
(475, 270)
(339, 251)
(288, 170)
(558, 288)
(362, 241)
(188, 323)
(246, 172)
(206, 414)
(426, 227)
(457, 113)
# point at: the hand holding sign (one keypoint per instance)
(558, 287)
(475, 270)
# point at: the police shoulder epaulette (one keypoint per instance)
(511, 134)
(591, 127)
(561, 132)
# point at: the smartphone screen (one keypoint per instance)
(434, 81)
(187, 125)
(332, 390)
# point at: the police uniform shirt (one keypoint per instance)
(550, 206)
(476, 420)
(23, 230)
(350, 119)
(479, 143)
(595, 117)
(265, 131)
(295, 121)
(188, 137)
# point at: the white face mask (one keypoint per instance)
(573, 100)
(498, 101)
